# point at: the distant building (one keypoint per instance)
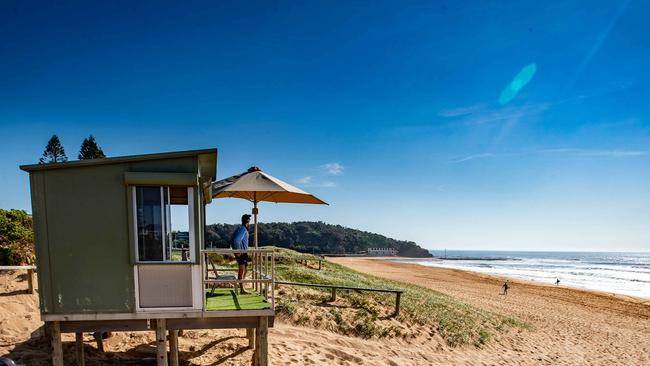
(382, 252)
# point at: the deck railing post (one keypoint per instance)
(398, 297)
(273, 280)
(204, 277)
(256, 263)
(254, 274)
(266, 275)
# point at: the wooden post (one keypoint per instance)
(398, 297)
(30, 280)
(173, 348)
(161, 342)
(79, 343)
(261, 342)
(57, 349)
(250, 334)
(320, 262)
(99, 338)
(254, 276)
(333, 293)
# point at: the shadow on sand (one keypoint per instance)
(36, 352)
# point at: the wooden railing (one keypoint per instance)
(30, 274)
(398, 293)
(262, 271)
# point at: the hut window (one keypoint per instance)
(163, 224)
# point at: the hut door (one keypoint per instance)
(165, 273)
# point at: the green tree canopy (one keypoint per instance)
(54, 152)
(16, 238)
(90, 149)
(315, 237)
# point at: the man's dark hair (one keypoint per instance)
(245, 219)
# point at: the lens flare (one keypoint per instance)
(522, 78)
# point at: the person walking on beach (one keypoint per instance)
(240, 242)
(557, 282)
(505, 288)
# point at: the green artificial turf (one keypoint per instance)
(228, 299)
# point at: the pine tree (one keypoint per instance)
(90, 149)
(54, 152)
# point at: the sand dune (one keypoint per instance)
(572, 327)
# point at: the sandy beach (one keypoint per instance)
(571, 327)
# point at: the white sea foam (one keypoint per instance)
(620, 273)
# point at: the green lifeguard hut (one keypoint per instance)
(108, 258)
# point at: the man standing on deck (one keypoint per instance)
(240, 242)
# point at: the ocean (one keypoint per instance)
(620, 273)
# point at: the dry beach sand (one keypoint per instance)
(571, 327)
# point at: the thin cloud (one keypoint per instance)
(509, 114)
(305, 180)
(332, 168)
(558, 151)
(327, 184)
(606, 153)
(462, 111)
(309, 181)
(617, 153)
(474, 157)
(481, 113)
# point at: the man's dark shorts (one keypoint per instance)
(242, 259)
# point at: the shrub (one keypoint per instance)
(16, 238)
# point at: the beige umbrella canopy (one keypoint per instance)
(257, 186)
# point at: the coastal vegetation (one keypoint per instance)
(316, 238)
(424, 312)
(16, 238)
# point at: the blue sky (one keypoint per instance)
(390, 111)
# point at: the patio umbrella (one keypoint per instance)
(257, 186)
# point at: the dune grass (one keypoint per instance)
(456, 322)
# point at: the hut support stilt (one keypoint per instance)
(250, 334)
(173, 348)
(57, 349)
(261, 356)
(161, 342)
(79, 345)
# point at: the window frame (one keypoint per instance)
(166, 226)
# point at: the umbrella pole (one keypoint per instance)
(255, 220)
(255, 256)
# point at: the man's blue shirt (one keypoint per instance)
(240, 238)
